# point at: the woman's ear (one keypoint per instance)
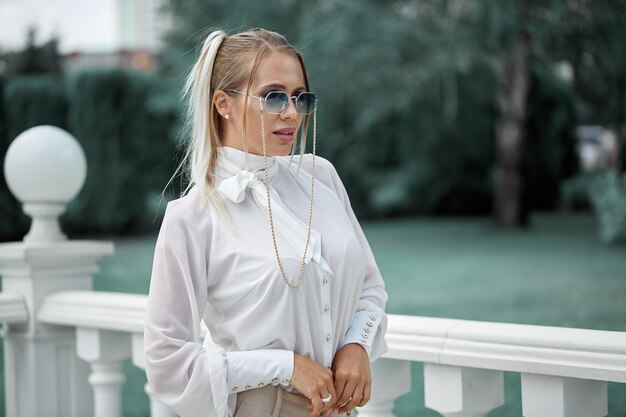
(223, 103)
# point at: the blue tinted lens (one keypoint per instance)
(276, 102)
(306, 103)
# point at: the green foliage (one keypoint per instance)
(34, 100)
(551, 152)
(608, 195)
(126, 140)
(574, 191)
(406, 114)
(13, 223)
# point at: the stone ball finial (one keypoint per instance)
(45, 168)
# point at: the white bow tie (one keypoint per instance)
(292, 229)
(234, 188)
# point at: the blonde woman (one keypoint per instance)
(264, 248)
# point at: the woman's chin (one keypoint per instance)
(280, 149)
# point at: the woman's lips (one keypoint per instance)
(286, 134)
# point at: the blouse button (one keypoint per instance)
(364, 341)
(373, 318)
(326, 307)
(235, 389)
(285, 382)
(274, 380)
(367, 330)
(261, 384)
(369, 323)
(328, 338)
(365, 335)
(325, 281)
(248, 387)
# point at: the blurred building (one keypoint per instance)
(141, 25)
(140, 60)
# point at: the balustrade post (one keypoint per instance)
(391, 379)
(105, 350)
(455, 391)
(554, 396)
(157, 408)
(45, 168)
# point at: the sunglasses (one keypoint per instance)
(277, 101)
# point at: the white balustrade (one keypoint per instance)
(118, 319)
(105, 350)
(13, 308)
(454, 391)
(555, 396)
(45, 168)
(57, 328)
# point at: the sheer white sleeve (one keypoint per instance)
(370, 321)
(187, 375)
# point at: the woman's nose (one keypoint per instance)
(290, 111)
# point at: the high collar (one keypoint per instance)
(232, 159)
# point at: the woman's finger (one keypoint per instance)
(367, 392)
(340, 385)
(346, 394)
(357, 394)
(316, 401)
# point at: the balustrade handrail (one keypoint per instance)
(546, 350)
(13, 308)
(95, 310)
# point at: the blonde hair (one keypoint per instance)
(221, 65)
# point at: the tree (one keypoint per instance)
(34, 59)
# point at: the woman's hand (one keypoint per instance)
(315, 382)
(353, 378)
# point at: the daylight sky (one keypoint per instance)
(82, 25)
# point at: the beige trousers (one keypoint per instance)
(271, 401)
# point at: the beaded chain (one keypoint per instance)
(269, 204)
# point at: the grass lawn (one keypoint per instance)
(556, 273)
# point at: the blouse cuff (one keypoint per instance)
(363, 329)
(257, 368)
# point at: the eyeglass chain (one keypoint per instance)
(269, 204)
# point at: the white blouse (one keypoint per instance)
(229, 278)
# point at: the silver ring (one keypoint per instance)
(327, 399)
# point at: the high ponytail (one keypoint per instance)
(202, 152)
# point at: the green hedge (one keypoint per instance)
(127, 141)
(12, 224)
(35, 100)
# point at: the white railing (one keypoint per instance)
(58, 333)
(13, 308)
(561, 368)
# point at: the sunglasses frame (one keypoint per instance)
(263, 100)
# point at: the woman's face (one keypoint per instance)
(277, 72)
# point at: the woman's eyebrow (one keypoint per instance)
(281, 87)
